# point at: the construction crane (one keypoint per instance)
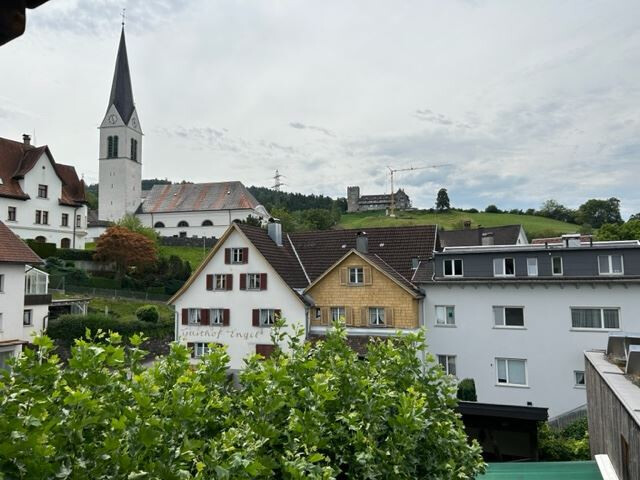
(278, 183)
(392, 209)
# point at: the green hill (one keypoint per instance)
(535, 226)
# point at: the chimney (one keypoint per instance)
(362, 242)
(467, 224)
(487, 238)
(571, 240)
(274, 230)
(26, 139)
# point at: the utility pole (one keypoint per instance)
(277, 183)
(392, 210)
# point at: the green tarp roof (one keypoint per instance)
(542, 471)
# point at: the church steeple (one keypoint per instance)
(121, 91)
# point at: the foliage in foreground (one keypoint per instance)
(568, 444)
(315, 412)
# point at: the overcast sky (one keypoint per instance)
(525, 100)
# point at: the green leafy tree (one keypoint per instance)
(492, 209)
(133, 223)
(597, 212)
(442, 201)
(557, 211)
(308, 412)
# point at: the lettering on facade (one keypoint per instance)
(213, 334)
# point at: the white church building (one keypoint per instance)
(180, 210)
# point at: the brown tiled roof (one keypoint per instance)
(14, 250)
(424, 272)
(396, 246)
(17, 159)
(504, 235)
(190, 197)
(385, 267)
(282, 259)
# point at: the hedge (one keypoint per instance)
(69, 327)
(42, 249)
(75, 254)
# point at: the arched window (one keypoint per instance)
(182, 223)
(134, 149)
(158, 225)
(65, 243)
(41, 239)
(112, 146)
(207, 223)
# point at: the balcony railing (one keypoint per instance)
(43, 299)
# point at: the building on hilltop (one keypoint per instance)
(202, 210)
(39, 198)
(362, 203)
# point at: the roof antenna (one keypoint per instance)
(123, 16)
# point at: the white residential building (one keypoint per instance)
(517, 319)
(39, 198)
(24, 297)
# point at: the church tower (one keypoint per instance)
(120, 158)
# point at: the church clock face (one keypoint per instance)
(112, 119)
(134, 124)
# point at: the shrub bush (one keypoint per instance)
(467, 390)
(147, 313)
(74, 254)
(42, 249)
(568, 444)
(67, 328)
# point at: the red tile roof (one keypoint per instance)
(14, 250)
(17, 159)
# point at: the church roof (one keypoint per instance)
(196, 197)
(18, 158)
(121, 91)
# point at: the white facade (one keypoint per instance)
(240, 336)
(53, 230)
(195, 224)
(17, 321)
(120, 173)
(553, 351)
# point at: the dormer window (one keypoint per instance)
(504, 267)
(43, 191)
(452, 267)
(556, 265)
(610, 265)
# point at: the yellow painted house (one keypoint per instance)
(366, 293)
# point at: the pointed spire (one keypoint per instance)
(121, 91)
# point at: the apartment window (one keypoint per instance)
(27, 318)
(532, 267)
(254, 281)
(216, 316)
(376, 316)
(38, 216)
(45, 217)
(318, 312)
(511, 371)
(267, 317)
(508, 316)
(65, 220)
(556, 265)
(1, 283)
(356, 275)
(445, 315)
(448, 362)
(194, 316)
(453, 267)
(220, 281)
(504, 267)
(338, 313)
(4, 358)
(42, 191)
(610, 265)
(237, 255)
(78, 221)
(597, 318)
(11, 214)
(579, 378)
(200, 349)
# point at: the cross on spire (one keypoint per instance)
(123, 16)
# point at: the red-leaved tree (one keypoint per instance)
(126, 249)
